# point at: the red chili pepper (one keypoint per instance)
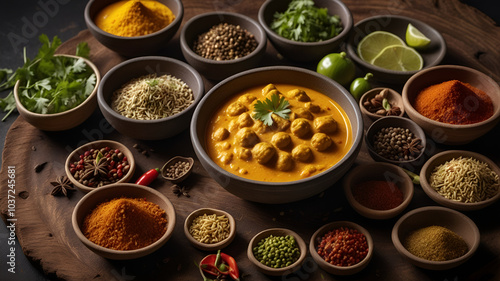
(220, 264)
(148, 177)
(234, 272)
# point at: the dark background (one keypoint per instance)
(21, 22)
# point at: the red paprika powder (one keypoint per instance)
(378, 195)
(343, 246)
(454, 102)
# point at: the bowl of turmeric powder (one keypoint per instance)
(124, 221)
(134, 28)
(453, 104)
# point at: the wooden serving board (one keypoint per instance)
(43, 224)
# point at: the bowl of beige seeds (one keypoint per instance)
(210, 229)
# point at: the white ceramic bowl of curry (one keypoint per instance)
(238, 166)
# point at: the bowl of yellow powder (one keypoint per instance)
(435, 238)
(134, 28)
(124, 221)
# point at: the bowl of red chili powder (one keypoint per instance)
(453, 104)
(378, 190)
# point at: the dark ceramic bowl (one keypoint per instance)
(218, 70)
(432, 55)
(305, 51)
(445, 133)
(138, 45)
(440, 216)
(275, 192)
(134, 68)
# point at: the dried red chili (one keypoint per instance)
(343, 247)
(378, 195)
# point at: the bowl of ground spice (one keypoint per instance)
(341, 247)
(134, 28)
(461, 180)
(124, 221)
(435, 238)
(151, 97)
(453, 104)
(220, 44)
(378, 190)
(210, 229)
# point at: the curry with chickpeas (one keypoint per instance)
(315, 136)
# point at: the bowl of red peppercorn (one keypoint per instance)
(378, 190)
(220, 44)
(341, 247)
(99, 163)
(453, 104)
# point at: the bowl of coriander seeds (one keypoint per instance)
(210, 229)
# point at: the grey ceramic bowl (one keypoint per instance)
(393, 97)
(432, 55)
(449, 133)
(275, 192)
(277, 232)
(106, 193)
(134, 68)
(440, 159)
(378, 172)
(210, 246)
(440, 216)
(396, 121)
(218, 70)
(63, 120)
(340, 270)
(305, 51)
(138, 45)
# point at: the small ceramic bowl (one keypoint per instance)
(440, 159)
(432, 55)
(439, 216)
(305, 51)
(218, 70)
(334, 269)
(449, 133)
(277, 232)
(139, 45)
(106, 193)
(75, 156)
(63, 120)
(210, 246)
(173, 162)
(393, 97)
(378, 172)
(395, 121)
(134, 68)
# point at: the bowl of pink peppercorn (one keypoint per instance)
(341, 247)
(99, 163)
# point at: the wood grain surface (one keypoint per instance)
(43, 224)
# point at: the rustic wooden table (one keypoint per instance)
(43, 225)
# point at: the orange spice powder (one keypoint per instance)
(125, 224)
(454, 102)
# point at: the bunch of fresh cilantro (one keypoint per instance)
(305, 22)
(48, 83)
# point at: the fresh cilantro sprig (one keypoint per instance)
(49, 84)
(263, 111)
(305, 22)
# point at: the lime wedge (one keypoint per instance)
(415, 38)
(372, 44)
(399, 58)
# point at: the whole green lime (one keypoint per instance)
(338, 67)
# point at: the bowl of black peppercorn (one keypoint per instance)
(220, 44)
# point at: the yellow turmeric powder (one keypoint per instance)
(134, 17)
(125, 224)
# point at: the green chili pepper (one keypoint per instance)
(360, 86)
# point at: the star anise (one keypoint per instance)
(394, 111)
(61, 186)
(180, 190)
(96, 167)
(413, 147)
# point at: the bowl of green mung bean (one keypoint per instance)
(266, 247)
(461, 180)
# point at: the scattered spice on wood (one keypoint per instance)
(125, 224)
(343, 246)
(436, 243)
(378, 195)
(454, 102)
(180, 190)
(142, 150)
(210, 228)
(61, 186)
(39, 167)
